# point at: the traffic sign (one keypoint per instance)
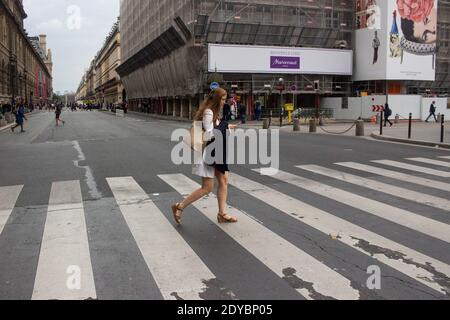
(378, 108)
(214, 86)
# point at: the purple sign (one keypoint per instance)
(285, 63)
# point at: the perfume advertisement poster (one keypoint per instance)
(371, 40)
(395, 40)
(412, 39)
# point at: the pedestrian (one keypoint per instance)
(58, 111)
(242, 112)
(209, 115)
(258, 110)
(432, 112)
(233, 110)
(387, 115)
(20, 116)
(227, 112)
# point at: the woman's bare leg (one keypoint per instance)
(207, 188)
(222, 197)
(222, 192)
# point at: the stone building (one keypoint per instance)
(101, 84)
(25, 65)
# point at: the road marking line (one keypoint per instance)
(397, 176)
(418, 266)
(8, 199)
(410, 167)
(402, 217)
(410, 195)
(176, 268)
(430, 161)
(444, 157)
(276, 253)
(64, 260)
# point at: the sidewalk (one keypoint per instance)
(9, 125)
(426, 134)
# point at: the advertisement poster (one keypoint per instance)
(278, 60)
(395, 40)
(412, 39)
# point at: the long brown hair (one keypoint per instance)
(212, 102)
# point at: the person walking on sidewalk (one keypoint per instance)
(242, 112)
(387, 115)
(432, 112)
(209, 115)
(20, 116)
(58, 112)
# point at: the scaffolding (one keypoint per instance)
(164, 42)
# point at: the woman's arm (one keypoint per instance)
(208, 125)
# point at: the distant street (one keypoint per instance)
(92, 198)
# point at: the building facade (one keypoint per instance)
(108, 87)
(101, 84)
(25, 67)
(166, 51)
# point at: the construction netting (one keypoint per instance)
(183, 69)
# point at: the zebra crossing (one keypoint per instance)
(65, 268)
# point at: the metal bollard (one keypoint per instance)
(360, 128)
(442, 128)
(381, 123)
(410, 126)
(266, 124)
(312, 126)
(296, 124)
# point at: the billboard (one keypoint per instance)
(278, 60)
(395, 40)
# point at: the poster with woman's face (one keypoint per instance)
(412, 39)
(418, 20)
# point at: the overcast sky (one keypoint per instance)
(74, 38)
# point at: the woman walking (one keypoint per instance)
(209, 115)
(20, 116)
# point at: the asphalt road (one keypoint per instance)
(308, 233)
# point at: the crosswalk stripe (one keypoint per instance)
(176, 268)
(8, 196)
(446, 157)
(403, 193)
(431, 161)
(410, 167)
(397, 175)
(402, 217)
(64, 270)
(418, 266)
(272, 250)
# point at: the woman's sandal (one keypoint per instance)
(225, 218)
(177, 212)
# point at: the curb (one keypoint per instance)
(7, 127)
(413, 142)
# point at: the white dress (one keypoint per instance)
(203, 170)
